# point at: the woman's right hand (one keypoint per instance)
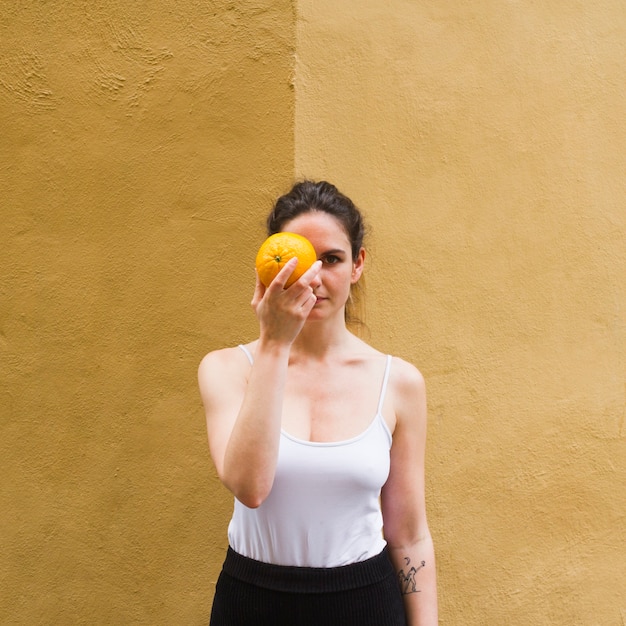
(282, 311)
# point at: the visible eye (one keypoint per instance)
(331, 259)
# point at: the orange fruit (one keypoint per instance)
(277, 249)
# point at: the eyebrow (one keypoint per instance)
(334, 251)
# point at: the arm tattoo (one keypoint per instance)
(407, 580)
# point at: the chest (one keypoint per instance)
(334, 405)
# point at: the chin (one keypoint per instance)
(320, 314)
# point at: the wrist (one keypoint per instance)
(273, 347)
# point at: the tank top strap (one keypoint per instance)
(247, 353)
(383, 389)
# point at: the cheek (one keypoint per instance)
(337, 279)
(346, 280)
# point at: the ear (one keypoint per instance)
(357, 267)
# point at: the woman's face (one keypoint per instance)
(339, 271)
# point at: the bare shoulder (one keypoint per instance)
(224, 357)
(216, 360)
(409, 395)
(223, 368)
(406, 378)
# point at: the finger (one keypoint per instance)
(303, 284)
(311, 273)
(303, 298)
(283, 276)
(309, 303)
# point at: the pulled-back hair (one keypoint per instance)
(309, 196)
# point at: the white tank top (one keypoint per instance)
(324, 507)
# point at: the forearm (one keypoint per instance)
(417, 577)
(252, 452)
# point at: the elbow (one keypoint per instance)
(250, 487)
(251, 502)
(250, 495)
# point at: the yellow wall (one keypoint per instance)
(485, 141)
(140, 147)
(141, 144)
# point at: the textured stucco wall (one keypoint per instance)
(140, 145)
(486, 143)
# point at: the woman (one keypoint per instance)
(321, 440)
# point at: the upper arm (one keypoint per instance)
(222, 383)
(403, 495)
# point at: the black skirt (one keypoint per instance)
(252, 593)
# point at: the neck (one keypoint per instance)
(318, 339)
